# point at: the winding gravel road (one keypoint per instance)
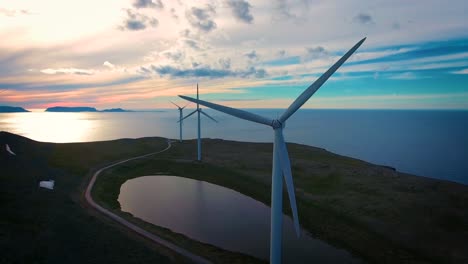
(133, 227)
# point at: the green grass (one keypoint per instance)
(374, 212)
(378, 214)
(43, 226)
(330, 182)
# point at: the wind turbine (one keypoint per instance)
(180, 119)
(199, 111)
(281, 162)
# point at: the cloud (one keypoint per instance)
(464, 71)
(174, 14)
(207, 71)
(55, 83)
(7, 12)
(281, 53)
(13, 12)
(192, 43)
(174, 55)
(67, 71)
(428, 36)
(109, 65)
(144, 71)
(238, 100)
(386, 97)
(315, 52)
(404, 76)
(201, 18)
(197, 72)
(241, 10)
(298, 11)
(252, 55)
(283, 9)
(148, 4)
(225, 63)
(185, 33)
(252, 71)
(376, 75)
(136, 21)
(363, 18)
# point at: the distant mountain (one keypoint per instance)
(83, 109)
(115, 110)
(70, 109)
(12, 109)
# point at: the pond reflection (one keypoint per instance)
(219, 216)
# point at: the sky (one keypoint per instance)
(140, 54)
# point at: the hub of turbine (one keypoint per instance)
(277, 124)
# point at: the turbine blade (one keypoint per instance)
(208, 116)
(185, 105)
(188, 115)
(286, 168)
(317, 84)
(198, 106)
(232, 111)
(175, 104)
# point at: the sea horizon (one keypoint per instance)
(259, 108)
(429, 143)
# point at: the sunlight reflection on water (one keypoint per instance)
(426, 143)
(80, 127)
(56, 127)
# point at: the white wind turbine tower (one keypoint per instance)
(281, 162)
(180, 119)
(199, 111)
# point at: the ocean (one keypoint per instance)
(421, 142)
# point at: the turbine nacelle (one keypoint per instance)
(180, 108)
(275, 124)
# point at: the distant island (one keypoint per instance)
(82, 109)
(116, 110)
(70, 109)
(12, 109)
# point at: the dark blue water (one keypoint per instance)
(426, 143)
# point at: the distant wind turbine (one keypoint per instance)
(199, 111)
(281, 162)
(180, 119)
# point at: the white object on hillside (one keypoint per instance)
(281, 162)
(47, 184)
(9, 150)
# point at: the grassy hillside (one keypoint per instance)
(375, 212)
(43, 226)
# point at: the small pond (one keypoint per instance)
(219, 216)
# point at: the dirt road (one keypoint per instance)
(152, 237)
